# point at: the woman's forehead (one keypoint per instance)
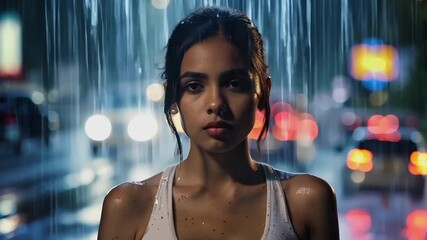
(213, 54)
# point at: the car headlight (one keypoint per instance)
(142, 127)
(98, 127)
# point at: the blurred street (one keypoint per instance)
(82, 96)
(59, 191)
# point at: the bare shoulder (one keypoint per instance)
(313, 187)
(130, 203)
(312, 205)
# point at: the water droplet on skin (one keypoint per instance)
(203, 223)
(304, 191)
(178, 178)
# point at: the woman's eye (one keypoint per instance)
(234, 84)
(238, 85)
(193, 87)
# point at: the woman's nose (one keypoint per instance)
(216, 102)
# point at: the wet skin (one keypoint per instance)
(219, 191)
(216, 87)
(217, 184)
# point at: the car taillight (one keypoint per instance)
(9, 118)
(418, 163)
(360, 159)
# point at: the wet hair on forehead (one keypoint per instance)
(200, 25)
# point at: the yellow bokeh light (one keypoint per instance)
(374, 62)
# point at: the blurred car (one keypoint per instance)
(24, 115)
(125, 120)
(386, 161)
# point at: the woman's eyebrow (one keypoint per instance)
(234, 72)
(195, 75)
(223, 75)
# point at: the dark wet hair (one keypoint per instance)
(203, 23)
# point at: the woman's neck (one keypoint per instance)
(209, 168)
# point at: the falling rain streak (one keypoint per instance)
(335, 66)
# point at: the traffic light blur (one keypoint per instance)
(374, 63)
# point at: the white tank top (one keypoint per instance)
(278, 225)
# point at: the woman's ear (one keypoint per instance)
(268, 84)
(173, 109)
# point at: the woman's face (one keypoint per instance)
(218, 98)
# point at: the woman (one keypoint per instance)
(216, 78)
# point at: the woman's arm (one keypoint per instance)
(120, 213)
(313, 208)
(323, 223)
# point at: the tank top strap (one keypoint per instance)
(278, 224)
(160, 225)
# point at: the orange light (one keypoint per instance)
(284, 134)
(416, 225)
(360, 159)
(286, 121)
(290, 124)
(309, 128)
(259, 121)
(281, 106)
(418, 163)
(374, 62)
(285, 126)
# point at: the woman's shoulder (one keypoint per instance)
(130, 203)
(312, 187)
(133, 192)
(130, 193)
(301, 183)
(307, 194)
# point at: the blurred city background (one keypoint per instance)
(81, 107)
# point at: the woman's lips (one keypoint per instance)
(216, 131)
(217, 128)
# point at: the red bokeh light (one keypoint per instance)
(416, 225)
(378, 124)
(359, 221)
